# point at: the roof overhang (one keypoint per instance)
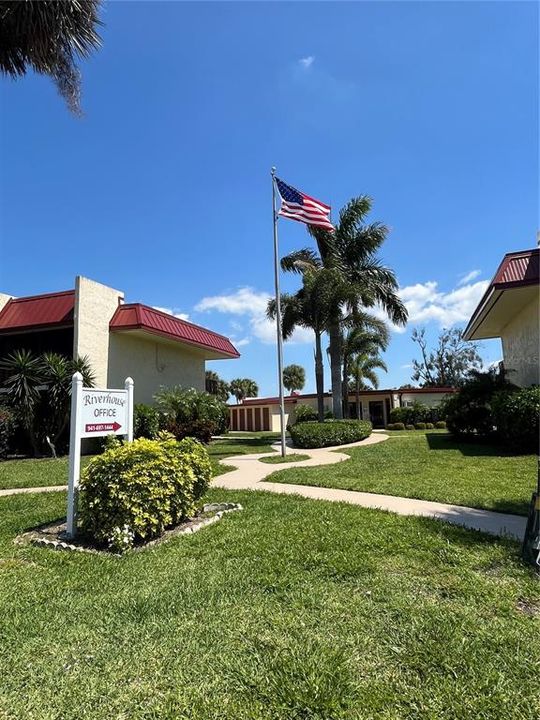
(148, 323)
(514, 285)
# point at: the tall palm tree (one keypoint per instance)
(352, 251)
(46, 36)
(361, 369)
(367, 336)
(311, 307)
(242, 388)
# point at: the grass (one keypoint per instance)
(292, 609)
(292, 457)
(35, 473)
(49, 472)
(430, 466)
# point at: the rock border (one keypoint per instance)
(41, 535)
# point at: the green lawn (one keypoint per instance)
(246, 445)
(43, 472)
(292, 609)
(431, 466)
(291, 457)
(35, 473)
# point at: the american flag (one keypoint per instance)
(297, 205)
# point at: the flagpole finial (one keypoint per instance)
(273, 169)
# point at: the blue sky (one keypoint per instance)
(163, 189)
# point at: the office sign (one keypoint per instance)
(104, 412)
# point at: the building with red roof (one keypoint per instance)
(509, 310)
(262, 413)
(120, 339)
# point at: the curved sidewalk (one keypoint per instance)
(250, 473)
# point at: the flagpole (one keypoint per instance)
(279, 330)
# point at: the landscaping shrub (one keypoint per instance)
(416, 413)
(409, 427)
(430, 426)
(395, 426)
(190, 413)
(133, 491)
(421, 426)
(440, 425)
(390, 426)
(145, 421)
(516, 416)
(7, 428)
(329, 433)
(469, 412)
(305, 413)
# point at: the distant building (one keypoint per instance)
(509, 310)
(375, 405)
(120, 339)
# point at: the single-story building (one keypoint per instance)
(375, 405)
(120, 339)
(509, 310)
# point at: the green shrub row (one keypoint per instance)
(329, 433)
(134, 491)
(416, 413)
(440, 424)
(488, 406)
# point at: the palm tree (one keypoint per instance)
(361, 369)
(46, 36)
(365, 338)
(39, 390)
(294, 377)
(242, 388)
(311, 307)
(352, 251)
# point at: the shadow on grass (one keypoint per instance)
(475, 447)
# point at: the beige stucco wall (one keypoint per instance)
(152, 364)
(4, 299)
(429, 399)
(95, 305)
(520, 347)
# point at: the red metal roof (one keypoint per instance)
(135, 316)
(519, 268)
(296, 397)
(38, 311)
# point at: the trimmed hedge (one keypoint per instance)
(516, 416)
(329, 433)
(440, 425)
(133, 491)
(416, 413)
(420, 426)
(409, 427)
(395, 426)
(305, 413)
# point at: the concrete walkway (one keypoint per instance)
(250, 473)
(21, 491)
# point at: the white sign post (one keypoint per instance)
(94, 413)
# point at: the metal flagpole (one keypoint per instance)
(278, 319)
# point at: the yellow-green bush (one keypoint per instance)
(132, 492)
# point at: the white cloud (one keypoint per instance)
(469, 277)
(307, 62)
(425, 303)
(172, 311)
(252, 304)
(241, 342)
(407, 366)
